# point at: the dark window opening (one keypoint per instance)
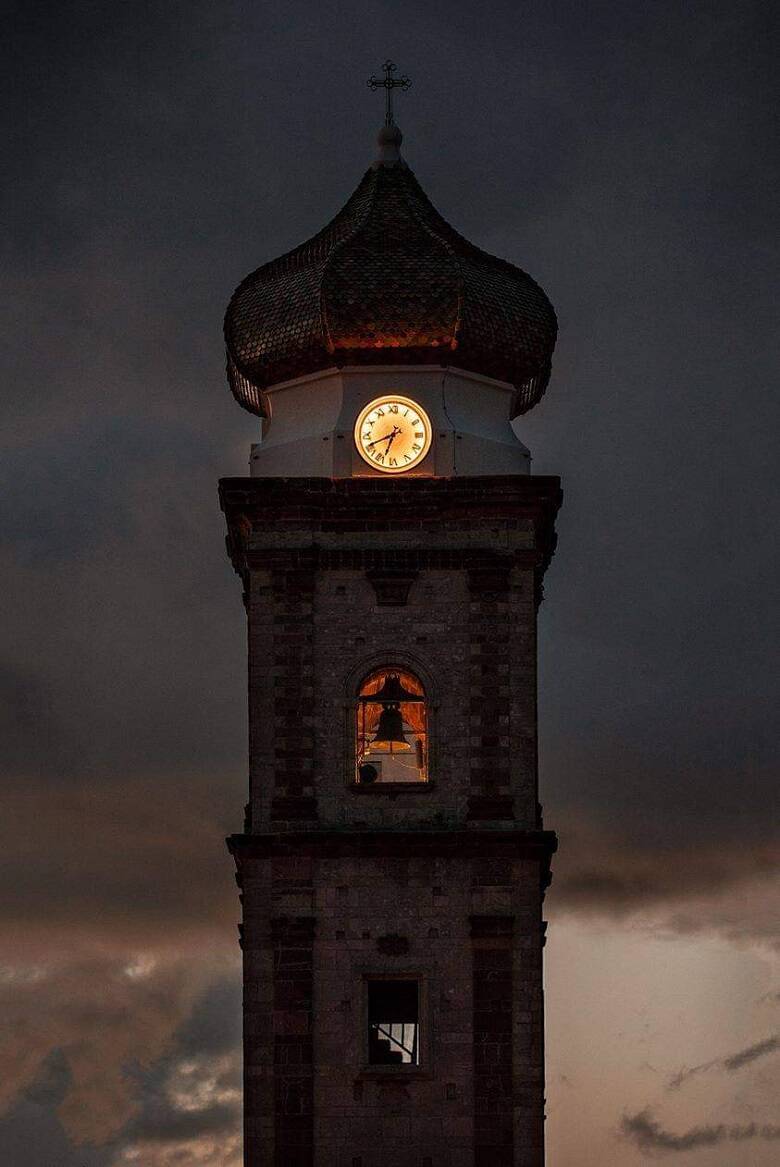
(393, 1023)
(392, 729)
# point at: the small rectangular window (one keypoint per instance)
(393, 1023)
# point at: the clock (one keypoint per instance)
(393, 434)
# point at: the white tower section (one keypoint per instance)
(310, 430)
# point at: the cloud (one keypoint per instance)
(188, 1114)
(223, 1150)
(761, 1048)
(131, 864)
(191, 1105)
(721, 888)
(164, 1124)
(730, 1064)
(80, 1038)
(599, 867)
(31, 1135)
(646, 1133)
(214, 1025)
(122, 687)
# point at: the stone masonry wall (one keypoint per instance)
(442, 883)
(469, 636)
(469, 928)
(441, 575)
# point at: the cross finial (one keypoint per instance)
(389, 83)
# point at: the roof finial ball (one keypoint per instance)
(389, 137)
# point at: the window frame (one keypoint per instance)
(423, 1068)
(403, 662)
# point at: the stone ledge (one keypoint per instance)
(469, 844)
(390, 789)
(312, 510)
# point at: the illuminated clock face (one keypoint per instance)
(393, 434)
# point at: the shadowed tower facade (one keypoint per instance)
(391, 543)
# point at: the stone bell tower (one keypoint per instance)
(391, 543)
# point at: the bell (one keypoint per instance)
(389, 736)
(393, 690)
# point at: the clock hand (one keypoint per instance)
(387, 438)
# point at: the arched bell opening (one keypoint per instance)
(391, 728)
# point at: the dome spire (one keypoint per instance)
(390, 137)
(388, 282)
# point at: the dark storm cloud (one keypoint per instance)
(761, 1048)
(162, 1124)
(723, 887)
(214, 1026)
(33, 1136)
(166, 150)
(626, 156)
(648, 1135)
(145, 242)
(730, 1064)
(31, 1133)
(127, 866)
(53, 1079)
(622, 880)
(112, 1051)
(195, 1089)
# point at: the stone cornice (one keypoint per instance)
(478, 844)
(508, 516)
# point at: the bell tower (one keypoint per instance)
(391, 543)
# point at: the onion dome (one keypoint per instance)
(388, 282)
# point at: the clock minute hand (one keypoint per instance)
(387, 437)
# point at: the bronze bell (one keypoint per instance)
(393, 690)
(389, 737)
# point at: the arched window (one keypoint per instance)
(391, 729)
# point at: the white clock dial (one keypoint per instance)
(393, 434)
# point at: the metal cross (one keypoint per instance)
(389, 83)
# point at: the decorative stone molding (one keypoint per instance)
(391, 585)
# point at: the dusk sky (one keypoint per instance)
(626, 156)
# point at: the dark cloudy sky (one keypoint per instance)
(625, 155)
